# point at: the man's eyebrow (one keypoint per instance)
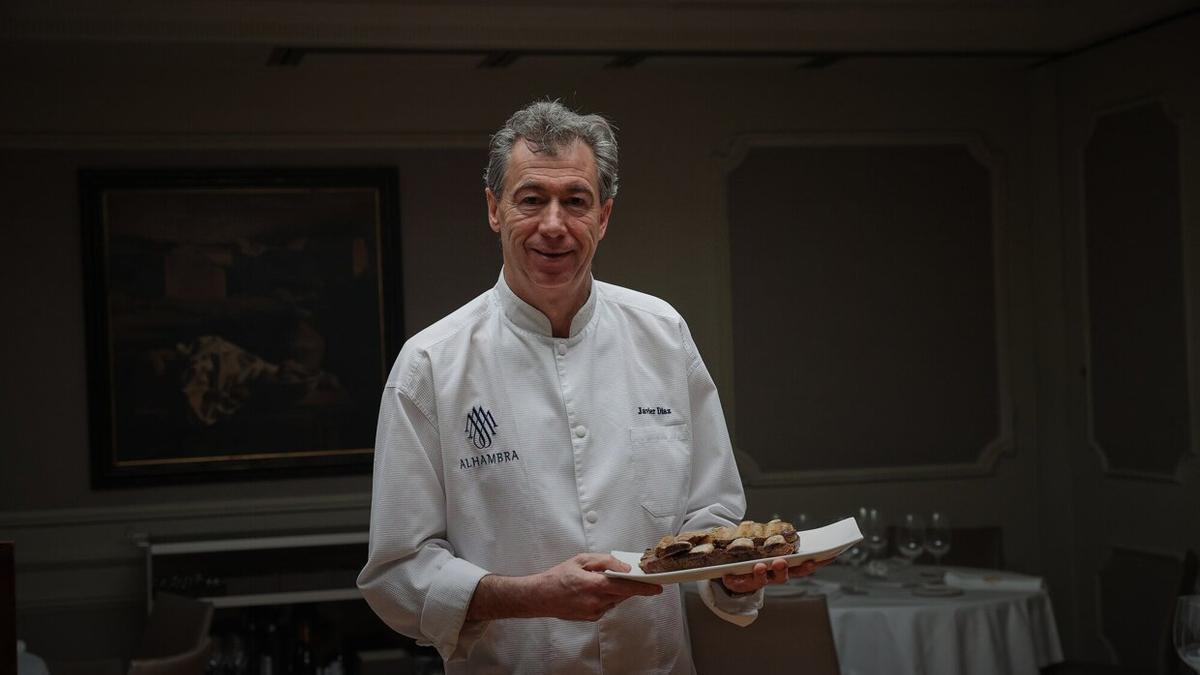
(528, 185)
(577, 186)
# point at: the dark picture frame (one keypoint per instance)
(240, 322)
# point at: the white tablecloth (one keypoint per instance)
(890, 631)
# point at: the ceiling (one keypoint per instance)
(624, 33)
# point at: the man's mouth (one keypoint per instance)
(552, 255)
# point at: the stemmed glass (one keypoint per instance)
(1187, 630)
(800, 521)
(910, 537)
(937, 536)
(875, 533)
(857, 554)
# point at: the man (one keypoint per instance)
(547, 422)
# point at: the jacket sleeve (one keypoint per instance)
(412, 579)
(716, 497)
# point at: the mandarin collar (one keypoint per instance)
(530, 318)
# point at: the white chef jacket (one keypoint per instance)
(504, 450)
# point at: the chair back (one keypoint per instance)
(191, 662)
(976, 547)
(1137, 606)
(969, 547)
(8, 609)
(791, 634)
(1187, 586)
(176, 626)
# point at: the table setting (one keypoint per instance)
(891, 614)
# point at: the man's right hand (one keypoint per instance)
(576, 589)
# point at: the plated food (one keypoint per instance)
(720, 546)
(818, 544)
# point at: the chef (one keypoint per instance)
(550, 420)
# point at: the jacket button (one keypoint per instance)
(592, 517)
(580, 431)
(562, 348)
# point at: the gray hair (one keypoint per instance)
(549, 126)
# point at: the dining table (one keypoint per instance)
(898, 619)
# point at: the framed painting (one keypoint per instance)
(240, 323)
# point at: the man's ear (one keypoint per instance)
(493, 210)
(605, 212)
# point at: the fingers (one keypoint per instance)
(745, 583)
(807, 567)
(774, 571)
(598, 562)
(777, 573)
(625, 588)
(609, 586)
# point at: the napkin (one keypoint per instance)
(992, 580)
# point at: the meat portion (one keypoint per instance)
(720, 545)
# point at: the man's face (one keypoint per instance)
(550, 220)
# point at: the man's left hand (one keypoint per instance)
(775, 571)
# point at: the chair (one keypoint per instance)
(175, 641)
(8, 609)
(1141, 646)
(1189, 584)
(976, 547)
(791, 634)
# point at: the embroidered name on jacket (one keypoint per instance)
(653, 410)
(487, 458)
(481, 427)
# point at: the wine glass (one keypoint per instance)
(1187, 630)
(910, 537)
(875, 533)
(937, 536)
(800, 521)
(857, 554)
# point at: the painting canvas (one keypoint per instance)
(240, 321)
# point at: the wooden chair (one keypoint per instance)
(175, 641)
(8, 609)
(976, 547)
(1137, 607)
(791, 634)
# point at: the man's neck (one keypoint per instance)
(559, 308)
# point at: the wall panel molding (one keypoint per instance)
(75, 517)
(983, 459)
(89, 556)
(1139, 224)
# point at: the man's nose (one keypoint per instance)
(553, 220)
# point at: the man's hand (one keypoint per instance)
(576, 590)
(775, 571)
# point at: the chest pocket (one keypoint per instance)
(662, 458)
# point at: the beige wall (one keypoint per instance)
(70, 106)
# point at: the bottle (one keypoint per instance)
(268, 660)
(252, 646)
(304, 656)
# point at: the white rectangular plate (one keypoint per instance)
(820, 544)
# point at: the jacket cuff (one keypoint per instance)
(741, 611)
(443, 619)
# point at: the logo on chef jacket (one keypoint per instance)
(482, 429)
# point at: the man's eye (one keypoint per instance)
(531, 200)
